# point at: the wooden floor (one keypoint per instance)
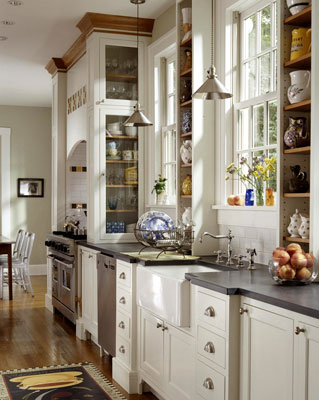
(31, 336)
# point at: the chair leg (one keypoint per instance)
(28, 279)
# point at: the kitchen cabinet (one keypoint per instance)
(88, 263)
(167, 359)
(48, 295)
(266, 355)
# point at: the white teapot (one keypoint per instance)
(304, 228)
(186, 151)
(187, 216)
(300, 88)
(295, 222)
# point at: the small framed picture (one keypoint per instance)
(30, 187)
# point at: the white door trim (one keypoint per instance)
(5, 182)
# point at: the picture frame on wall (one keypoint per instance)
(30, 187)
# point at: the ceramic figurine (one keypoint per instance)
(186, 91)
(295, 222)
(298, 183)
(296, 134)
(188, 60)
(300, 88)
(304, 228)
(187, 216)
(187, 185)
(186, 151)
(187, 122)
(295, 6)
(187, 23)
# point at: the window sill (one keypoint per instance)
(245, 208)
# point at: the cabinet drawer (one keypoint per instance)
(209, 383)
(123, 325)
(211, 310)
(211, 346)
(123, 351)
(123, 300)
(124, 275)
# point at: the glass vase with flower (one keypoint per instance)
(254, 175)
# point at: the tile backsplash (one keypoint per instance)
(261, 239)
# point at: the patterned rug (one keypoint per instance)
(68, 382)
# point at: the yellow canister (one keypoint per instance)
(300, 43)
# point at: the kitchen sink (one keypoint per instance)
(164, 291)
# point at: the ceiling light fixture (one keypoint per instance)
(3, 38)
(212, 88)
(137, 118)
(7, 22)
(15, 2)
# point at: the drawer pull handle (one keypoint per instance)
(299, 330)
(122, 349)
(208, 384)
(164, 328)
(209, 347)
(122, 275)
(243, 310)
(122, 325)
(158, 325)
(122, 300)
(209, 312)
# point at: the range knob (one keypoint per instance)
(65, 248)
(48, 243)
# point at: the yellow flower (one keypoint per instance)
(256, 174)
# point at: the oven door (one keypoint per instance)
(55, 279)
(67, 284)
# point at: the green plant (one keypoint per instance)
(160, 185)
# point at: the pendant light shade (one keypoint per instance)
(212, 88)
(137, 118)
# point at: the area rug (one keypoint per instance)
(70, 382)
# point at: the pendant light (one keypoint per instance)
(137, 118)
(212, 88)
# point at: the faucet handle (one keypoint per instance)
(240, 262)
(220, 254)
(251, 252)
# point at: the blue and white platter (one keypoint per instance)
(155, 221)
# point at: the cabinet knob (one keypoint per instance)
(158, 325)
(90, 256)
(122, 275)
(299, 330)
(122, 349)
(122, 325)
(209, 347)
(81, 251)
(208, 384)
(164, 328)
(122, 300)
(243, 310)
(100, 101)
(209, 312)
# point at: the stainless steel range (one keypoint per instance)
(66, 278)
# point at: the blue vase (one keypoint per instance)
(249, 197)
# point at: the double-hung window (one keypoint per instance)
(255, 104)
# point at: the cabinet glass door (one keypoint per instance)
(121, 66)
(121, 177)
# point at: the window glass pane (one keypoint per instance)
(265, 74)
(265, 28)
(243, 134)
(250, 32)
(275, 23)
(171, 77)
(272, 122)
(173, 146)
(171, 110)
(258, 125)
(241, 186)
(274, 55)
(272, 183)
(250, 81)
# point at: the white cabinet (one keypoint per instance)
(48, 295)
(88, 263)
(167, 359)
(266, 355)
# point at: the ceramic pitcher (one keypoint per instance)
(300, 88)
(300, 42)
(304, 228)
(187, 216)
(295, 222)
(186, 151)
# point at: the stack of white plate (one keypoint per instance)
(114, 128)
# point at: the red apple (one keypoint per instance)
(281, 255)
(277, 271)
(287, 272)
(303, 274)
(309, 258)
(298, 260)
(293, 248)
(238, 200)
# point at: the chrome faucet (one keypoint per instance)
(229, 236)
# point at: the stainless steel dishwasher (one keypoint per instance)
(106, 270)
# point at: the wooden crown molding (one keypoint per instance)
(92, 21)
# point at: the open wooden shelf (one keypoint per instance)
(122, 186)
(186, 196)
(121, 78)
(302, 106)
(121, 211)
(303, 62)
(295, 239)
(186, 43)
(183, 135)
(301, 19)
(187, 73)
(121, 161)
(186, 165)
(123, 137)
(298, 150)
(186, 103)
(297, 195)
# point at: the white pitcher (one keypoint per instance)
(300, 88)
(295, 222)
(304, 228)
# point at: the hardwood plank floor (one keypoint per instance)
(31, 336)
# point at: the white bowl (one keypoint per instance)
(114, 126)
(131, 130)
(295, 6)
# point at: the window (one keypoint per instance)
(256, 106)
